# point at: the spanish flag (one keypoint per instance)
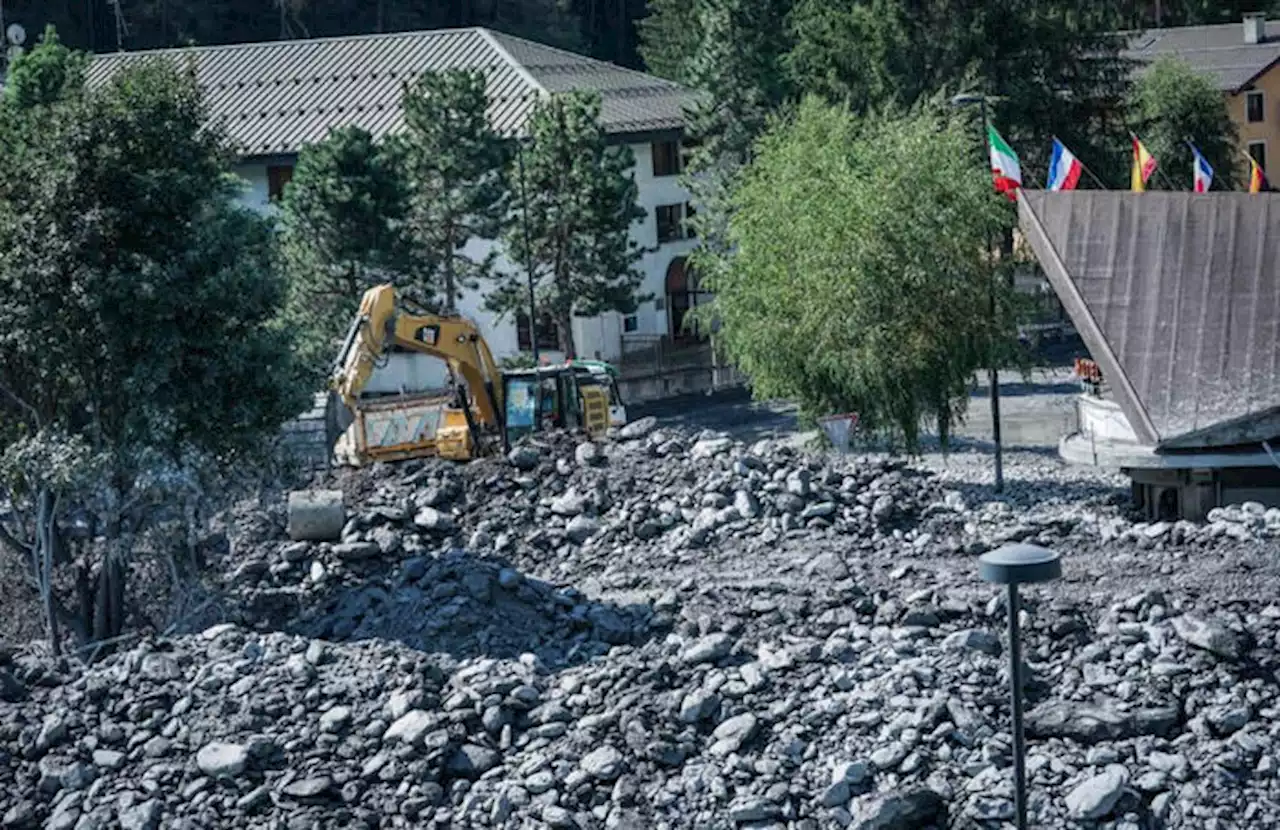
(1143, 166)
(1257, 178)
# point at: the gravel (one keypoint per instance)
(747, 636)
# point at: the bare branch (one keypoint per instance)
(35, 415)
(12, 541)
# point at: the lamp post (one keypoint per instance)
(528, 253)
(1012, 565)
(967, 100)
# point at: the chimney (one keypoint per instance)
(1255, 28)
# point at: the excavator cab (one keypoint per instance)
(550, 397)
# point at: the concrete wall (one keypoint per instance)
(596, 337)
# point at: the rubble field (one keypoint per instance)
(676, 630)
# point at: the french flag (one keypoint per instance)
(1064, 168)
(1201, 171)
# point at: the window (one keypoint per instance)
(548, 337)
(278, 175)
(1258, 149)
(689, 212)
(1255, 108)
(630, 323)
(666, 158)
(670, 222)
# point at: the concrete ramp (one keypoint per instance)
(1177, 296)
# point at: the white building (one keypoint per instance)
(274, 98)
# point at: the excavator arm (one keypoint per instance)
(381, 325)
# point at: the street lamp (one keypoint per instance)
(528, 252)
(968, 99)
(1012, 565)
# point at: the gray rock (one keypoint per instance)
(710, 447)
(312, 787)
(355, 551)
(708, 649)
(836, 794)
(410, 727)
(335, 719)
(638, 428)
(828, 565)
(11, 691)
(222, 760)
(747, 505)
(428, 518)
(698, 705)
(144, 816)
(581, 528)
(974, 639)
(588, 454)
(1097, 796)
(732, 733)
(160, 668)
(108, 759)
(603, 764)
(472, 761)
(1210, 636)
(753, 809)
(523, 458)
(387, 540)
(909, 810)
(569, 503)
(1081, 722)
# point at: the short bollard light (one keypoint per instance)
(1013, 565)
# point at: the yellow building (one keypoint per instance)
(1243, 60)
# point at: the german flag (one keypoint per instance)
(1257, 178)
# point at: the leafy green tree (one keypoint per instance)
(581, 203)
(739, 68)
(344, 229)
(1051, 68)
(138, 305)
(670, 35)
(1172, 103)
(858, 279)
(454, 161)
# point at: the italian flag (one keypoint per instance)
(1004, 165)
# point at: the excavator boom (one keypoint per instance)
(379, 326)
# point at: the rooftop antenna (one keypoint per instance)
(122, 25)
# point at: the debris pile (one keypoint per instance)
(667, 631)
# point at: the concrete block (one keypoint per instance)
(316, 515)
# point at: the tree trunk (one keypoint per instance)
(108, 617)
(42, 554)
(448, 274)
(564, 323)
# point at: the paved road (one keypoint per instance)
(1034, 413)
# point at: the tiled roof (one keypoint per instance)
(275, 97)
(1217, 51)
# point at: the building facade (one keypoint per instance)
(1243, 61)
(275, 98)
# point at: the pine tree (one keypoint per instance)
(454, 163)
(1051, 67)
(343, 220)
(669, 38)
(581, 203)
(738, 68)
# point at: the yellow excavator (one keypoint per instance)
(485, 407)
